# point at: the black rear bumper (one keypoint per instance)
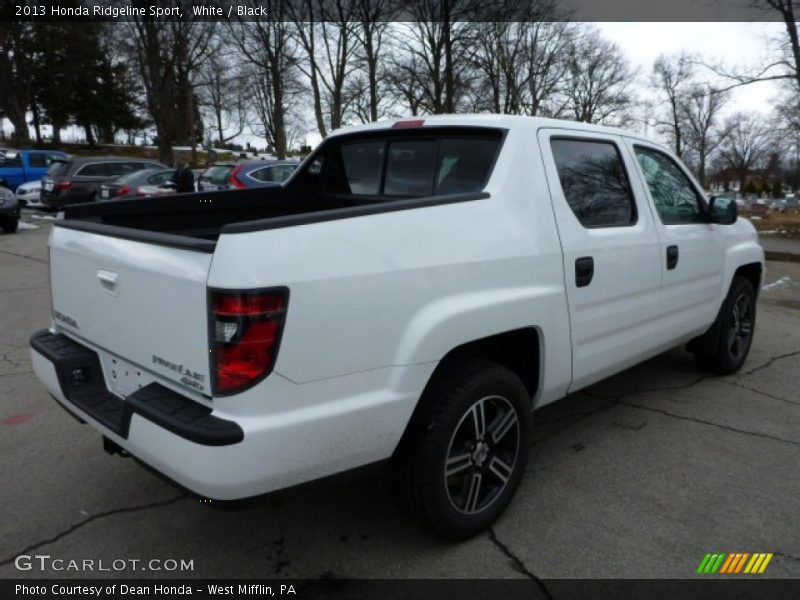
(82, 384)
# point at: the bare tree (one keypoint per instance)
(598, 81)
(547, 45)
(438, 52)
(373, 18)
(325, 30)
(269, 47)
(699, 113)
(672, 76)
(168, 55)
(746, 145)
(221, 91)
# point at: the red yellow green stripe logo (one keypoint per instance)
(735, 563)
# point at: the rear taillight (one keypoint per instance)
(125, 189)
(245, 332)
(62, 185)
(235, 181)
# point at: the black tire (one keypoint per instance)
(10, 225)
(443, 429)
(735, 326)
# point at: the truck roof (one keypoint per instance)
(490, 120)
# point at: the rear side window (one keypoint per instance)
(407, 167)
(38, 160)
(93, 170)
(594, 182)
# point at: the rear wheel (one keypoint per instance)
(466, 448)
(736, 324)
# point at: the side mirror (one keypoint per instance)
(722, 210)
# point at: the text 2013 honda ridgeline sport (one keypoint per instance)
(412, 293)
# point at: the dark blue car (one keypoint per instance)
(246, 174)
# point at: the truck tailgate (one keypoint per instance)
(144, 303)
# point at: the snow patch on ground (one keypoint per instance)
(44, 217)
(782, 282)
(24, 225)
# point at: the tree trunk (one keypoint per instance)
(37, 126)
(21, 135)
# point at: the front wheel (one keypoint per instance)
(736, 322)
(464, 454)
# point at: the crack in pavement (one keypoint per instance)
(759, 392)
(85, 522)
(771, 361)
(711, 423)
(39, 260)
(4, 358)
(16, 373)
(517, 564)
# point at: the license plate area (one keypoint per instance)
(123, 378)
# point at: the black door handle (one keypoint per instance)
(584, 271)
(672, 257)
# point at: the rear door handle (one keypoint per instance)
(672, 257)
(584, 271)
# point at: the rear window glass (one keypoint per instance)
(410, 167)
(58, 167)
(218, 174)
(407, 168)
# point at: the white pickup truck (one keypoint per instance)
(412, 293)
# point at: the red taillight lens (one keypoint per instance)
(125, 189)
(62, 185)
(245, 330)
(235, 181)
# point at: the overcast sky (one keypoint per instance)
(733, 43)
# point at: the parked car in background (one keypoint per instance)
(20, 166)
(136, 184)
(79, 179)
(246, 174)
(9, 208)
(30, 194)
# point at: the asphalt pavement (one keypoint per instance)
(638, 477)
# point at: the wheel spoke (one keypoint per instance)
(732, 337)
(473, 493)
(479, 420)
(501, 469)
(457, 463)
(503, 425)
